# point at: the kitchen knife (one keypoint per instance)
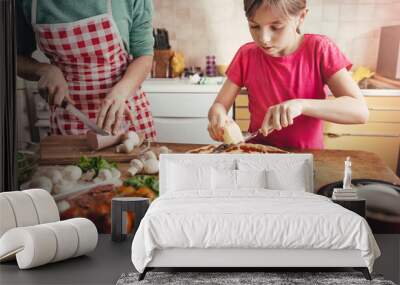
(252, 135)
(270, 130)
(81, 116)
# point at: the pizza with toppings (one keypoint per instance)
(237, 148)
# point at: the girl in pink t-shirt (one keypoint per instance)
(285, 74)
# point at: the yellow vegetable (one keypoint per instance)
(126, 190)
(177, 64)
(362, 73)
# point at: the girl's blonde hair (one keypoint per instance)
(287, 8)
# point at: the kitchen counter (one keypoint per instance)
(177, 85)
(161, 85)
(381, 92)
(183, 85)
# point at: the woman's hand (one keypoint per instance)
(216, 125)
(281, 116)
(113, 110)
(52, 84)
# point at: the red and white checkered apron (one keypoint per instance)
(91, 54)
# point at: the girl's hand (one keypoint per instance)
(281, 116)
(52, 84)
(217, 124)
(113, 110)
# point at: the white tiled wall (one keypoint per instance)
(202, 27)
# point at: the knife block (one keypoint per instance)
(162, 64)
(389, 52)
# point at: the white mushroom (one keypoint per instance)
(126, 147)
(42, 182)
(64, 186)
(132, 136)
(104, 175)
(88, 175)
(136, 162)
(72, 173)
(135, 167)
(118, 183)
(97, 180)
(132, 171)
(63, 206)
(164, 149)
(54, 175)
(115, 173)
(129, 145)
(120, 148)
(148, 155)
(151, 166)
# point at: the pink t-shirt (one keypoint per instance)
(272, 80)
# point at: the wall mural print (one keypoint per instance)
(99, 99)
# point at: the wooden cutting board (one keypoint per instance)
(60, 150)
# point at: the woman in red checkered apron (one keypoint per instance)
(95, 72)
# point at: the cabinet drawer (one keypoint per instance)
(182, 130)
(371, 128)
(242, 114)
(378, 102)
(383, 109)
(243, 124)
(390, 115)
(383, 102)
(386, 147)
(193, 105)
(242, 101)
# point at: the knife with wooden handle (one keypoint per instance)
(252, 135)
(81, 116)
(73, 110)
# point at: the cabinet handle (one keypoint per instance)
(334, 135)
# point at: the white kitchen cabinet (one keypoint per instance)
(180, 109)
(182, 130)
(181, 105)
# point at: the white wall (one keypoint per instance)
(218, 27)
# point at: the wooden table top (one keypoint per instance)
(329, 164)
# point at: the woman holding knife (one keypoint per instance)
(100, 52)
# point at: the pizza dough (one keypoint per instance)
(237, 148)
